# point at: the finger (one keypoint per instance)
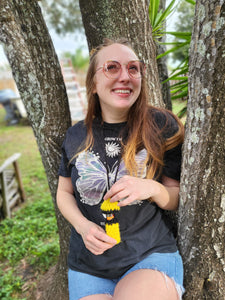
(119, 196)
(127, 201)
(97, 247)
(103, 237)
(115, 189)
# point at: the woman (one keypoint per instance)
(120, 169)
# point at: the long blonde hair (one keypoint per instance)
(143, 130)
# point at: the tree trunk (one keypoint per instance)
(37, 73)
(202, 195)
(162, 66)
(129, 19)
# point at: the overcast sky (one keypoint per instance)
(61, 44)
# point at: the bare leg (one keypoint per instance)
(145, 285)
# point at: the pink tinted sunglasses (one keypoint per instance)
(112, 69)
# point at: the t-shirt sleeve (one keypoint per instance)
(73, 139)
(172, 162)
(65, 166)
(172, 158)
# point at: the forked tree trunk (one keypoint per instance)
(37, 73)
(129, 19)
(202, 196)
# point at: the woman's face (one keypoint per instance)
(116, 95)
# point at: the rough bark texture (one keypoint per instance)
(129, 19)
(202, 196)
(37, 73)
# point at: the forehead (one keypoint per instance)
(117, 52)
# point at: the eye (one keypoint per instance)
(112, 67)
(134, 68)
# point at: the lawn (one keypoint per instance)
(29, 240)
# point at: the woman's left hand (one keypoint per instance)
(130, 189)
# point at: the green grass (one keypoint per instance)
(29, 240)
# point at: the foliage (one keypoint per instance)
(63, 15)
(179, 89)
(158, 17)
(31, 235)
(29, 240)
(27, 232)
(79, 60)
(184, 24)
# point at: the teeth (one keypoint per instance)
(122, 91)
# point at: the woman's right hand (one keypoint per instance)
(95, 238)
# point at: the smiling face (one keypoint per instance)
(116, 96)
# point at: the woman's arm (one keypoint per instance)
(94, 237)
(130, 189)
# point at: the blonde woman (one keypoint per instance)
(120, 170)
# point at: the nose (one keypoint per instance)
(124, 76)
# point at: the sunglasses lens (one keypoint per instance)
(135, 69)
(112, 69)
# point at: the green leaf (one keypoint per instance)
(172, 50)
(181, 95)
(186, 35)
(182, 112)
(178, 87)
(191, 1)
(183, 89)
(180, 77)
(173, 86)
(166, 12)
(153, 11)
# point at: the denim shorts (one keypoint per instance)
(170, 264)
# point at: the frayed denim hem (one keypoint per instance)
(179, 288)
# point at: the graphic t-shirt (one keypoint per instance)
(142, 225)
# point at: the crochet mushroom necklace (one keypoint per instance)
(110, 210)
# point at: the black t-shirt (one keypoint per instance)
(142, 226)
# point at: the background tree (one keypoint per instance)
(37, 73)
(78, 59)
(202, 196)
(63, 15)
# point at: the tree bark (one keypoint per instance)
(129, 19)
(202, 195)
(37, 73)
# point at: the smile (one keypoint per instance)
(122, 91)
